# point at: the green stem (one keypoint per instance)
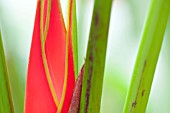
(147, 58)
(95, 58)
(6, 103)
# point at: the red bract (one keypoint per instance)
(71, 70)
(51, 61)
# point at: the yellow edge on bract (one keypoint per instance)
(66, 66)
(43, 38)
(47, 20)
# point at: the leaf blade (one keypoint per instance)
(6, 103)
(147, 57)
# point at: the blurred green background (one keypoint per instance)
(127, 20)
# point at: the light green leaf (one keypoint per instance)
(6, 104)
(147, 57)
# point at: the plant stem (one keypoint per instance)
(6, 103)
(95, 58)
(147, 57)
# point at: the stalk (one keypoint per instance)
(147, 57)
(6, 103)
(95, 58)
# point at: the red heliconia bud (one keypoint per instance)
(51, 61)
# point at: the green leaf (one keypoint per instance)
(6, 104)
(95, 58)
(72, 32)
(147, 57)
(74, 37)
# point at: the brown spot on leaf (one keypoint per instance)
(134, 104)
(96, 19)
(144, 66)
(89, 82)
(143, 92)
